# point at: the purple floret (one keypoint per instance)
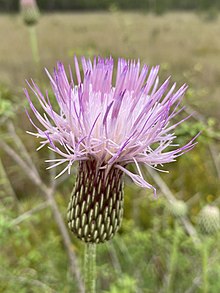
(114, 124)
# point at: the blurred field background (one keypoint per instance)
(159, 247)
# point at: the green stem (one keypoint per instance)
(173, 260)
(205, 266)
(90, 267)
(34, 44)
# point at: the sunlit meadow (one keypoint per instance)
(165, 244)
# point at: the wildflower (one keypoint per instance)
(29, 11)
(105, 128)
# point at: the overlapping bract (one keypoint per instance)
(116, 125)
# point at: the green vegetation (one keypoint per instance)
(158, 249)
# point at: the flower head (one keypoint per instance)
(105, 126)
(30, 11)
(209, 219)
(113, 125)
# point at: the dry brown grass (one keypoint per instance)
(183, 43)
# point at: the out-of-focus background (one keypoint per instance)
(168, 244)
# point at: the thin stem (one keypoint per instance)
(170, 196)
(90, 267)
(29, 213)
(173, 260)
(205, 266)
(6, 182)
(34, 44)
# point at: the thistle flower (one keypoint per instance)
(29, 11)
(106, 127)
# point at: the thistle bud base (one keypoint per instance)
(96, 205)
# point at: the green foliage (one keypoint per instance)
(33, 260)
(125, 284)
(149, 258)
(6, 102)
(209, 130)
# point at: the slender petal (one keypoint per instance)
(113, 124)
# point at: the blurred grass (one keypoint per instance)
(183, 43)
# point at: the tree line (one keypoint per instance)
(147, 5)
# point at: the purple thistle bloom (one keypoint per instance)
(105, 127)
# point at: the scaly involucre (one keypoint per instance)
(112, 125)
